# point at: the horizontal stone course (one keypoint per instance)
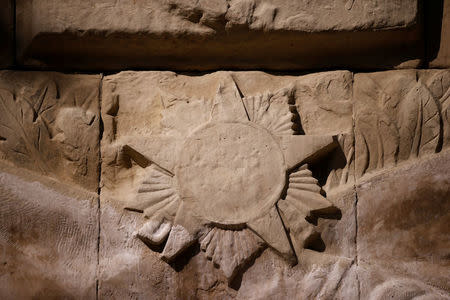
(220, 34)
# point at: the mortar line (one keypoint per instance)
(100, 135)
(354, 186)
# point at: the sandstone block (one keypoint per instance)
(50, 124)
(219, 34)
(399, 115)
(403, 237)
(48, 237)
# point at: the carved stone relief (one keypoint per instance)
(50, 124)
(167, 135)
(225, 185)
(393, 125)
(49, 159)
(230, 172)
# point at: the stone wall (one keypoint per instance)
(225, 149)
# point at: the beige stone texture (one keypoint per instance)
(174, 153)
(403, 237)
(49, 174)
(48, 237)
(219, 34)
(442, 59)
(225, 185)
(7, 33)
(399, 115)
(50, 124)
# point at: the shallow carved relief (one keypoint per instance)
(49, 162)
(49, 124)
(395, 124)
(229, 173)
(224, 182)
(325, 106)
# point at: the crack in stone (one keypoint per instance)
(100, 133)
(354, 188)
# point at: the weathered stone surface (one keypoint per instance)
(201, 35)
(230, 185)
(442, 57)
(399, 115)
(7, 33)
(173, 151)
(49, 123)
(128, 269)
(48, 238)
(403, 238)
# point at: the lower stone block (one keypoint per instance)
(48, 238)
(403, 217)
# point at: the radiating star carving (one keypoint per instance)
(231, 174)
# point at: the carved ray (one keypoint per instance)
(160, 150)
(304, 189)
(185, 231)
(272, 111)
(294, 219)
(302, 198)
(271, 229)
(230, 249)
(228, 105)
(300, 149)
(155, 193)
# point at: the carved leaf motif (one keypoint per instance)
(439, 86)
(391, 128)
(376, 134)
(24, 134)
(44, 101)
(342, 174)
(376, 141)
(445, 113)
(419, 123)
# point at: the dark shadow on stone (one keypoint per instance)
(315, 242)
(321, 169)
(72, 51)
(183, 259)
(433, 12)
(156, 248)
(331, 212)
(236, 281)
(297, 124)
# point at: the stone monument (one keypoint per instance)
(225, 149)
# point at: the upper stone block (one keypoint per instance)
(178, 34)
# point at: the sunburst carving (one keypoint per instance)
(222, 180)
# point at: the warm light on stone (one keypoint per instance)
(225, 149)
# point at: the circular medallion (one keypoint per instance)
(230, 173)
